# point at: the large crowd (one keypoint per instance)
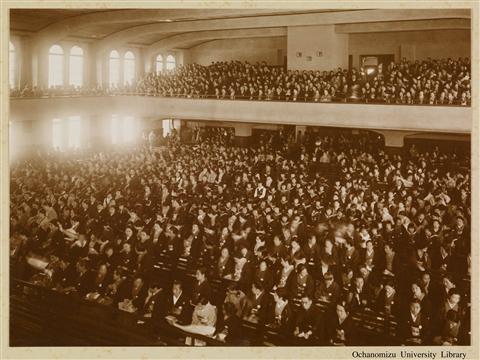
(385, 232)
(427, 82)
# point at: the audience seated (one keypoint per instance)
(426, 82)
(337, 227)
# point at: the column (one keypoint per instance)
(243, 134)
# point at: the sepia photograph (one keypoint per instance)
(241, 177)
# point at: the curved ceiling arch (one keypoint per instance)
(69, 26)
(321, 18)
(187, 39)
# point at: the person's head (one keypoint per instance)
(177, 288)
(229, 310)
(389, 288)
(306, 302)
(341, 309)
(109, 251)
(417, 291)
(328, 277)
(426, 278)
(202, 301)
(128, 232)
(81, 265)
(102, 270)
(263, 265)
(359, 282)
(302, 270)
(454, 296)
(201, 274)
(154, 287)
(415, 307)
(127, 247)
(447, 282)
(138, 282)
(453, 316)
(276, 240)
(257, 288)
(225, 252)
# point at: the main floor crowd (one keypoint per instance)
(426, 82)
(336, 219)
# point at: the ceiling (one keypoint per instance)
(36, 19)
(147, 27)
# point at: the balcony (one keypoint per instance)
(415, 118)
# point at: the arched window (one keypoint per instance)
(170, 62)
(12, 79)
(76, 66)
(159, 64)
(55, 66)
(114, 68)
(128, 68)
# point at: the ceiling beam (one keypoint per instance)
(184, 40)
(414, 25)
(325, 18)
(63, 28)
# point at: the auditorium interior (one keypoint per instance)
(240, 177)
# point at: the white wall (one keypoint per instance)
(417, 45)
(271, 49)
(309, 40)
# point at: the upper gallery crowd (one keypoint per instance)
(427, 82)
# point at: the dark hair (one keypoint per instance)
(453, 316)
(203, 300)
(202, 270)
(328, 276)
(176, 282)
(258, 285)
(453, 291)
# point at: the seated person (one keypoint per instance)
(256, 307)
(307, 322)
(201, 287)
(231, 330)
(280, 315)
(387, 301)
(154, 296)
(302, 283)
(340, 328)
(237, 297)
(99, 283)
(413, 325)
(357, 295)
(132, 296)
(449, 330)
(176, 304)
(328, 290)
(203, 321)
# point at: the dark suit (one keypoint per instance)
(308, 320)
(233, 326)
(412, 331)
(181, 309)
(201, 290)
(344, 333)
(330, 294)
(256, 309)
